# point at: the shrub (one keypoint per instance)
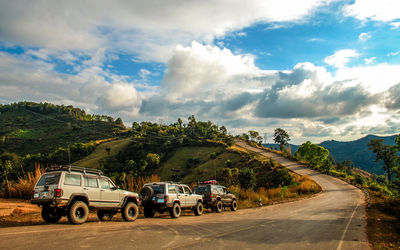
(247, 178)
(213, 155)
(228, 163)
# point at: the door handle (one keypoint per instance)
(85, 188)
(102, 190)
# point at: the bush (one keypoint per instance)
(213, 155)
(228, 163)
(247, 178)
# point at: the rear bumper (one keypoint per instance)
(50, 202)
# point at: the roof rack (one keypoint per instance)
(212, 182)
(70, 168)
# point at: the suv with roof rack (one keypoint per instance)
(171, 197)
(216, 196)
(71, 191)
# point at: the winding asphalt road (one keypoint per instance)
(333, 219)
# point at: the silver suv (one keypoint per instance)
(171, 197)
(71, 191)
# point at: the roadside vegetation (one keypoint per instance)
(383, 191)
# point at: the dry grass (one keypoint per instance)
(134, 184)
(249, 198)
(23, 188)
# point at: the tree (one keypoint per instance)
(385, 153)
(312, 153)
(253, 135)
(247, 178)
(281, 137)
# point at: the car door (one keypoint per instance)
(181, 195)
(189, 198)
(109, 194)
(225, 195)
(91, 189)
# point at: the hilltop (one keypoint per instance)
(30, 128)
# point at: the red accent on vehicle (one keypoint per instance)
(57, 192)
(214, 182)
(211, 195)
(166, 198)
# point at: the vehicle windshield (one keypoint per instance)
(201, 189)
(158, 188)
(49, 179)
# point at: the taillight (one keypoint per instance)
(33, 193)
(57, 192)
(166, 198)
(211, 195)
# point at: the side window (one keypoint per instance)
(91, 182)
(224, 190)
(171, 189)
(73, 180)
(187, 190)
(104, 183)
(180, 189)
(214, 189)
(220, 190)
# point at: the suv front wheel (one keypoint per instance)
(175, 210)
(130, 212)
(50, 214)
(218, 207)
(78, 213)
(198, 209)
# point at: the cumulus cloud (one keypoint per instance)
(307, 94)
(364, 36)
(392, 100)
(341, 58)
(22, 78)
(369, 60)
(77, 25)
(205, 72)
(383, 10)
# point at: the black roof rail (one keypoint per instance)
(70, 168)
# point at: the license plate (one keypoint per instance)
(36, 195)
(45, 194)
(160, 200)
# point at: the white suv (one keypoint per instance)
(71, 191)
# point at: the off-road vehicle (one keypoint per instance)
(171, 197)
(216, 196)
(71, 191)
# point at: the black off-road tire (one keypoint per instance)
(78, 213)
(146, 194)
(175, 210)
(51, 214)
(234, 205)
(104, 215)
(218, 207)
(198, 209)
(130, 211)
(148, 211)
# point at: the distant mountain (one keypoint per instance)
(30, 128)
(357, 151)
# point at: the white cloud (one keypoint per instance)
(205, 72)
(395, 25)
(137, 26)
(22, 78)
(364, 36)
(341, 58)
(382, 10)
(369, 60)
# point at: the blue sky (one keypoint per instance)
(321, 69)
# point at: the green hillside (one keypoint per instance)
(30, 128)
(101, 152)
(191, 164)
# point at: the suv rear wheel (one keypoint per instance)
(218, 207)
(198, 209)
(130, 211)
(234, 205)
(175, 210)
(78, 212)
(50, 214)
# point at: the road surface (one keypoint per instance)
(334, 219)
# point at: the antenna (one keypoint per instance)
(69, 156)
